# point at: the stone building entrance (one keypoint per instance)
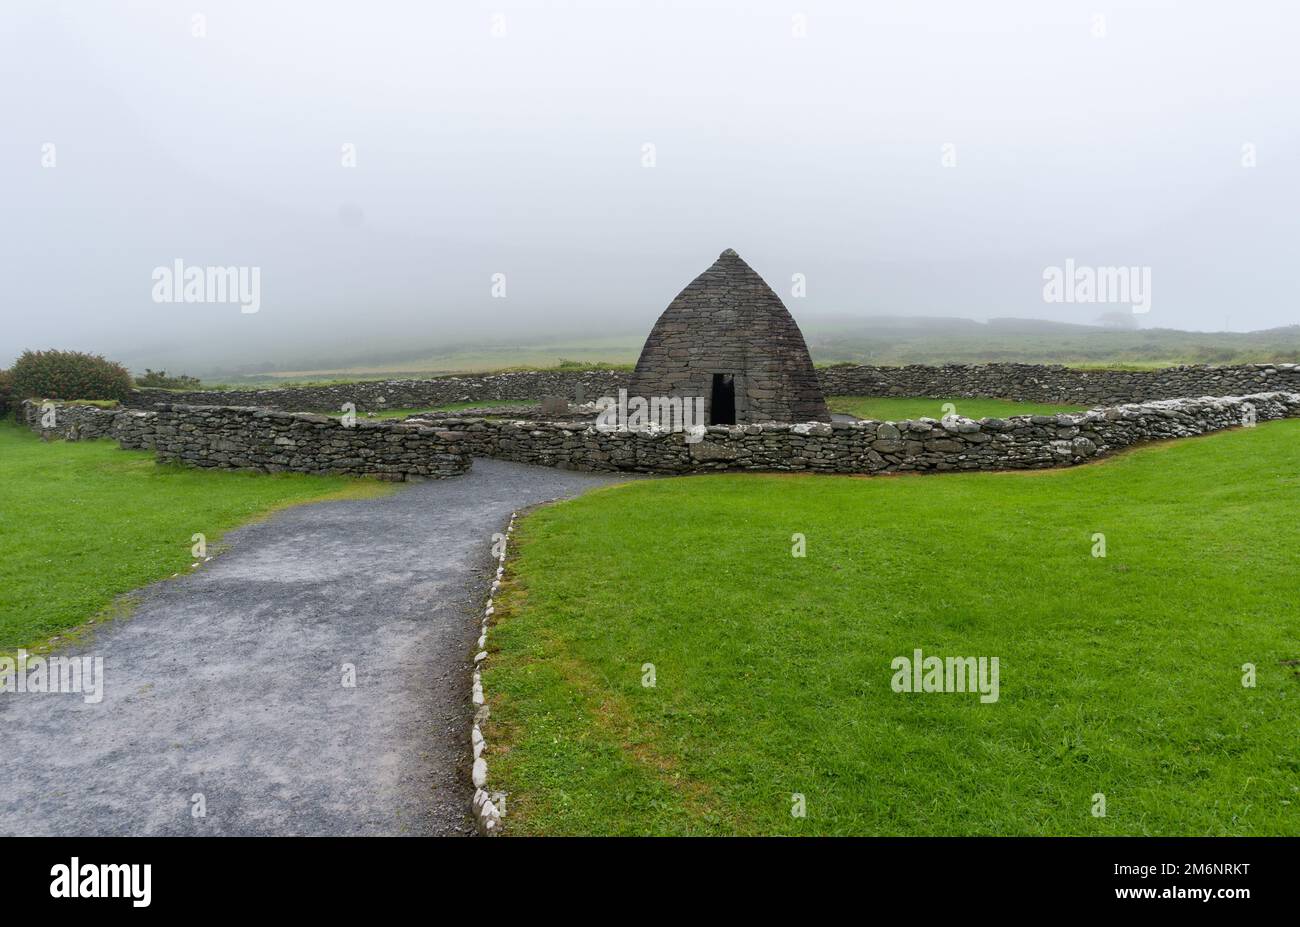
(722, 400)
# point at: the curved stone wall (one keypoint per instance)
(1015, 443)
(262, 439)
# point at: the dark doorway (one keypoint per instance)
(722, 405)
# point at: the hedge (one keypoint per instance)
(68, 375)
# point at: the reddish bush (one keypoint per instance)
(68, 375)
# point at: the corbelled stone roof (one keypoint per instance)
(729, 321)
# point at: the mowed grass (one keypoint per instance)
(481, 404)
(887, 409)
(1119, 676)
(83, 522)
(449, 407)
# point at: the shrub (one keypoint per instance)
(68, 375)
(158, 379)
(7, 400)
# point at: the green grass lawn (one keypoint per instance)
(1119, 675)
(865, 407)
(83, 522)
(100, 403)
(386, 413)
(886, 409)
(480, 404)
(449, 407)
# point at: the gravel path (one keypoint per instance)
(229, 682)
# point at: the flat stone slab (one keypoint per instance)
(228, 682)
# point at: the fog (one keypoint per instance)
(927, 159)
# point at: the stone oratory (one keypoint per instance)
(729, 338)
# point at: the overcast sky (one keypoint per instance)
(810, 136)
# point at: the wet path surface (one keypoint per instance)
(228, 683)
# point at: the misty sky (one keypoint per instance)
(523, 154)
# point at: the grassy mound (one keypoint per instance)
(885, 409)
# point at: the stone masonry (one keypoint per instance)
(377, 395)
(263, 439)
(1015, 443)
(728, 322)
(1052, 383)
(269, 441)
(1025, 382)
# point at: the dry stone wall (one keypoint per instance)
(1015, 443)
(262, 439)
(1027, 382)
(267, 440)
(70, 421)
(272, 441)
(134, 429)
(1051, 383)
(375, 396)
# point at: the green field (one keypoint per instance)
(598, 356)
(884, 409)
(884, 340)
(83, 522)
(1119, 676)
(449, 407)
(901, 341)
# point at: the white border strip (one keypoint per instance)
(486, 814)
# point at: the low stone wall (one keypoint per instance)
(135, 430)
(1015, 443)
(262, 439)
(73, 422)
(1052, 383)
(270, 441)
(1027, 382)
(69, 421)
(375, 396)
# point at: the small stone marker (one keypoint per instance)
(555, 405)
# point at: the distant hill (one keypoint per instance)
(937, 340)
(889, 340)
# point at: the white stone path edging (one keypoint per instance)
(486, 813)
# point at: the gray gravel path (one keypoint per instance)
(228, 682)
